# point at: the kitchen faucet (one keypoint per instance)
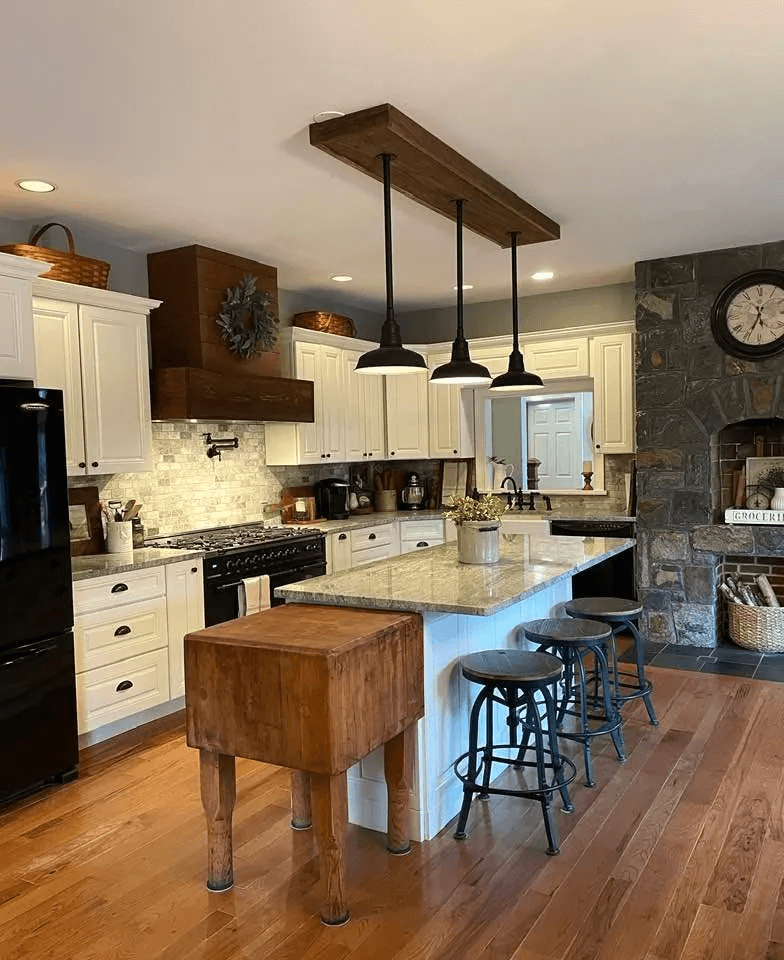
(517, 496)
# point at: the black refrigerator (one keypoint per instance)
(38, 730)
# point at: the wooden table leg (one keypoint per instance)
(301, 817)
(218, 793)
(330, 806)
(398, 759)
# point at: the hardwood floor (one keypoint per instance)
(678, 854)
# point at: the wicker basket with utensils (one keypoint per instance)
(70, 266)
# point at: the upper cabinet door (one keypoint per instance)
(116, 390)
(557, 359)
(58, 366)
(333, 403)
(613, 397)
(451, 416)
(355, 415)
(17, 354)
(306, 366)
(373, 409)
(406, 404)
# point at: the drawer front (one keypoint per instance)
(143, 682)
(408, 546)
(372, 536)
(371, 554)
(422, 530)
(110, 635)
(105, 593)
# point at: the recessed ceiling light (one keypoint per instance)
(466, 286)
(543, 275)
(327, 115)
(341, 278)
(35, 186)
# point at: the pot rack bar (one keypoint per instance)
(429, 171)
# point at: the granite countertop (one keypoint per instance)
(434, 580)
(371, 520)
(108, 564)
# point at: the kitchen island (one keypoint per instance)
(465, 608)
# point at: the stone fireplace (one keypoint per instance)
(700, 413)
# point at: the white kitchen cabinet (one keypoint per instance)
(407, 416)
(420, 534)
(557, 359)
(365, 427)
(17, 351)
(96, 353)
(184, 614)
(613, 393)
(450, 418)
(338, 552)
(325, 438)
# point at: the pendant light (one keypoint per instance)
(460, 371)
(516, 379)
(390, 357)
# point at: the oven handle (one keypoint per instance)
(231, 586)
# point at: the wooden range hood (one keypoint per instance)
(194, 374)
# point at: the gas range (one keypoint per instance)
(235, 553)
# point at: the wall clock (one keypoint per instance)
(747, 319)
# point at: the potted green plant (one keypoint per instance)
(478, 525)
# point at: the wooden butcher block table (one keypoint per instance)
(314, 688)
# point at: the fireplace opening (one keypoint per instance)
(729, 450)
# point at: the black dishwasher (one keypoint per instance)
(613, 577)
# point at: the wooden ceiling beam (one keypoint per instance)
(429, 171)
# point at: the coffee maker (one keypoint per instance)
(413, 492)
(332, 498)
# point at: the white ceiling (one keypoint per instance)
(644, 129)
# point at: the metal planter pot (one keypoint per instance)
(479, 541)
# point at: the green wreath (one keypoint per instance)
(247, 324)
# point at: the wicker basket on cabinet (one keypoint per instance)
(325, 322)
(69, 267)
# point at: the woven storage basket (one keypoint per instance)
(325, 322)
(70, 266)
(757, 628)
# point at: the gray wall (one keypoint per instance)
(547, 311)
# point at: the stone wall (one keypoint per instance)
(688, 389)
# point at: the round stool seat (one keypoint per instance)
(563, 631)
(604, 608)
(511, 666)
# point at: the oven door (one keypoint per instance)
(221, 601)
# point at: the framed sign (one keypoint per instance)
(84, 517)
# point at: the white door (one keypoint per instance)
(406, 403)
(331, 369)
(184, 614)
(554, 438)
(356, 449)
(373, 407)
(116, 390)
(58, 366)
(613, 402)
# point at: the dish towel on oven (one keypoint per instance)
(253, 595)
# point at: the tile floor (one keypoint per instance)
(726, 659)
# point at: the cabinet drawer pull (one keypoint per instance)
(423, 543)
(122, 631)
(119, 588)
(124, 685)
(371, 536)
(341, 536)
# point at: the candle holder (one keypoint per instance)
(587, 478)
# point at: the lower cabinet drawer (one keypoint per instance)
(112, 635)
(432, 530)
(408, 546)
(371, 554)
(102, 593)
(372, 536)
(122, 689)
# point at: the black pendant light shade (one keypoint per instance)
(461, 370)
(516, 379)
(390, 357)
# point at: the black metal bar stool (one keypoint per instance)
(620, 615)
(571, 640)
(519, 680)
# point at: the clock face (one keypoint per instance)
(748, 316)
(757, 501)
